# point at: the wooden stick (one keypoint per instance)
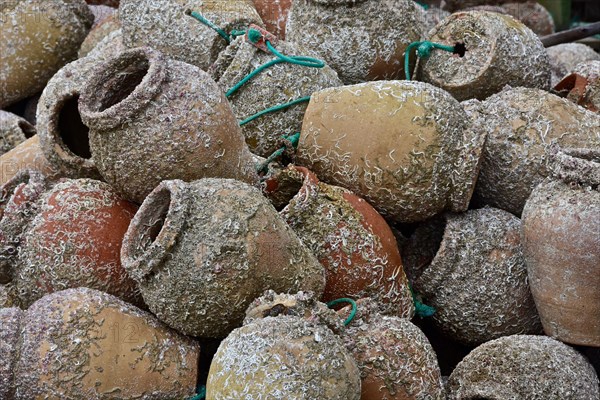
(571, 35)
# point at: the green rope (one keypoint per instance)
(424, 51)
(425, 6)
(201, 394)
(214, 27)
(422, 310)
(345, 300)
(293, 139)
(274, 108)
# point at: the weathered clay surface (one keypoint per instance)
(394, 357)
(454, 5)
(565, 57)
(10, 322)
(100, 30)
(280, 84)
(25, 156)
(167, 26)
(274, 14)
(38, 37)
(361, 40)
(524, 367)
(561, 233)
(348, 237)
(434, 16)
(474, 275)
(153, 119)
(284, 357)
(402, 146)
(13, 130)
(85, 344)
(203, 251)
(533, 15)
(519, 124)
(75, 241)
(582, 86)
(497, 50)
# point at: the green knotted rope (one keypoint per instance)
(424, 51)
(201, 394)
(345, 300)
(292, 140)
(274, 108)
(422, 310)
(212, 26)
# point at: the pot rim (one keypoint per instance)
(142, 261)
(575, 165)
(95, 115)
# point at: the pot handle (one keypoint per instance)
(575, 165)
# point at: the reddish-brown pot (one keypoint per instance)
(75, 241)
(274, 14)
(561, 237)
(352, 241)
(582, 86)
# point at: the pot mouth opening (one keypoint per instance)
(27, 129)
(429, 238)
(120, 86)
(152, 222)
(70, 131)
(286, 185)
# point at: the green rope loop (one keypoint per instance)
(274, 108)
(345, 300)
(212, 26)
(201, 394)
(292, 139)
(424, 51)
(422, 310)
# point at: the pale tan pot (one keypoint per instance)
(38, 37)
(27, 155)
(402, 146)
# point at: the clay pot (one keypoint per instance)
(280, 84)
(25, 156)
(560, 236)
(202, 251)
(31, 109)
(470, 268)
(18, 205)
(153, 119)
(565, 57)
(394, 357)
(454, 5)
(361, 40)
(523, 367)
(491, 51)
(8, 296)
(582, 86)
(519, 124)
(284, 357)
(534, 15)
(26, 64)
(167, 26)
(13, 130)
(100, 30)
(110, 3)
(108, 348)
(348, 237)
(417, 159)
(434, 16)
(274, 14)
(75, 241)
(10, 321)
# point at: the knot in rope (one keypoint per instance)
(424, 49)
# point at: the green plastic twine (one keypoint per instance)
(422, 310)
(345, 300)
(274, 108)
(212, 26)
(201, 394)
(293, 139)
(424, 51)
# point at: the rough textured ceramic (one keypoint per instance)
(281, 83)
(153, 119)
(524, 367)
(402, 146)
(361, 40)
(100, 30)
(455, 5)
(565, 57)
(10, 321)
(519, 124)
(394, 357)
(470, 267)
(110, 3)
(434, 16)
(167, 26)
(201, 252)
(8, 296)
(582, 86)
(75, 241)
(561, 232)
(109, 349)
(25, 156)
(534, 15)
(38, 37)
(283, 357)
(274, 14)
(18, 205)
(491, 50)
(348, 237)
(13, 130)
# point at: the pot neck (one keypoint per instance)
(574, 165)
